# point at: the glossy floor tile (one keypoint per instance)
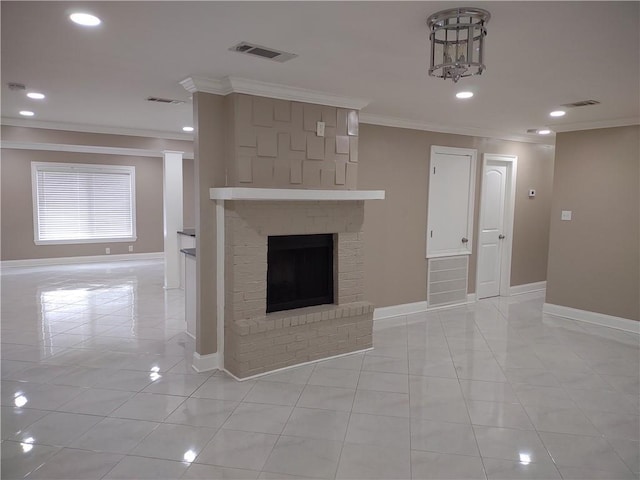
(97, 383)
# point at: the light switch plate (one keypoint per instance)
(320, 129)
(566, 215)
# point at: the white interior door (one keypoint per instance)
(450, 208)
(495, 226)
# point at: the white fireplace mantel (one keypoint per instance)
(289, 194)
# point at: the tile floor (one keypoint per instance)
(96, 383)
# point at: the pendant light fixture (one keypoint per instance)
(457, 42)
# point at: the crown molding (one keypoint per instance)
(612, 123)
(76, 127)
(94, 149)
(215, 86)
(387, 121)
(229, 85)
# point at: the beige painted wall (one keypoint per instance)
(188, 194)
(594, 258)
(397, 160)
(17, 205)
(210, 115)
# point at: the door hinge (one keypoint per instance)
(434, 170)
(431, 233)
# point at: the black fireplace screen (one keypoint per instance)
(299, 271)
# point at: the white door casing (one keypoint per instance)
(452, 181)
(495, 232)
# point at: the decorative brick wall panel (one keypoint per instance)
(256, 342)
(274, 145)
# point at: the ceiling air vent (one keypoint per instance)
(583, 103)
(168, 101)
(16, 86)
(263, 52)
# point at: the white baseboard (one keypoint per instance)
(204, 363)
(258, 375)
(382, 313)
(399, 310)
(39, 262)
(601, 319)
(528, 288)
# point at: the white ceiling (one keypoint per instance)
(538, 55)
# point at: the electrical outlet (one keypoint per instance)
(107, 251)
(532, 193)
(320, 129)
(131, 248)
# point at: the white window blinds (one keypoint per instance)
(77, 203)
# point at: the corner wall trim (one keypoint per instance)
(586, 316)
(528, 288)
(39, 262)
(204, 363)
(220, 296)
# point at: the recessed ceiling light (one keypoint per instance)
(544, 131)
(558, 113)
(35, 95)
(187, 129)
(85, 19)
(464, 94)
(27, 113)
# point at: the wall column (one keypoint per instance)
(210, 123)
(172, 216)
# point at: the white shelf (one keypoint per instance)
(288, 194)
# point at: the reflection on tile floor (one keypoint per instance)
(96, 383)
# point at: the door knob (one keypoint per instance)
(464, 240)
(501, 237)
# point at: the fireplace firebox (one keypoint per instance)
(299, 271)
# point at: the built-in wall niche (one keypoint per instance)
(299, 271)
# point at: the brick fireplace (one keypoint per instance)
(257, 341)
(276, 161)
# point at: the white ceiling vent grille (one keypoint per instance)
(583, 103)
(168, 101)
(263, 52)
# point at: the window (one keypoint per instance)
(77, 203)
